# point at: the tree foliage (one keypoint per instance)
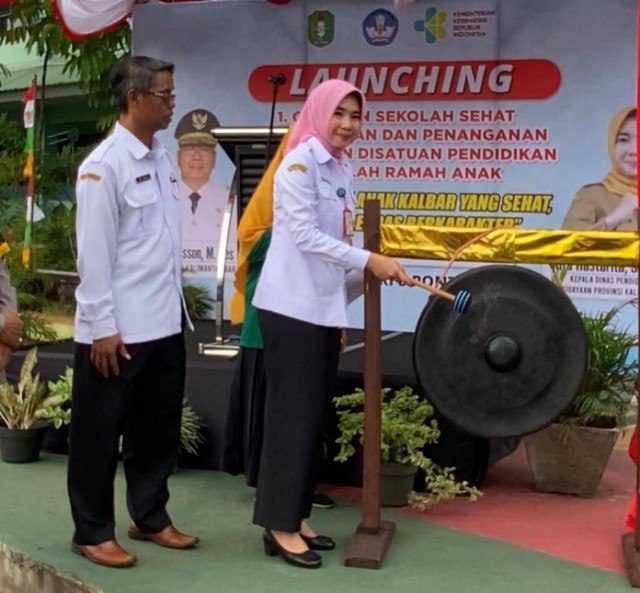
(33, 23)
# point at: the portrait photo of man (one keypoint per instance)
(203, 203)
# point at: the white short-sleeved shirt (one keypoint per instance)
(129, 242)
(305, 269)
(203, 225)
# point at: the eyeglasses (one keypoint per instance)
(167, 96)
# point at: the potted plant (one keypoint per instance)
(22, 434)
(570, 455)
(56, 407)
(407, 426)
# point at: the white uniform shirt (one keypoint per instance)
(202, 229)
(203, 226)
(305, 269)
(129, 244)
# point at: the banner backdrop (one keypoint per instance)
(483, 113)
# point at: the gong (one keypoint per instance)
(512, 363)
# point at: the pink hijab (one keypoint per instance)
(320, 105)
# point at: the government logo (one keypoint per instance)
(380, 27)
(321, 28)
(432, 25)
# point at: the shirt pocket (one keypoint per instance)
(143, 211)
(175, 188)
(330, 209)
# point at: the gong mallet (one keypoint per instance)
(461, 300)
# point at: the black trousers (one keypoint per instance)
(245, 417)
(301, 363)
(144, 405)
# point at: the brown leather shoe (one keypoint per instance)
(169, 537)
(109, 553)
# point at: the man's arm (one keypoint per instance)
(97, 231)
(97, 221)
(8, 298)
(10, 322)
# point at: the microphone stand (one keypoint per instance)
(276, 80)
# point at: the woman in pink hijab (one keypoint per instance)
(301, 301)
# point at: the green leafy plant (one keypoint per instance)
(558, 274)
(609, 382)
(36, 329)
(56, 407)
(33, 24)
(407, 426)
(190, 430)
(198, 300)
(19, 404)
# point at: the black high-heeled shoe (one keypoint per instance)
(319, 542)
(306, 559)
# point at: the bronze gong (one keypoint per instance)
(512, 363)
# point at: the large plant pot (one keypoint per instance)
(396, 482)
(22, 446)
(569, 459)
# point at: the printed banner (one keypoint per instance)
(204, 195)
(482, 113)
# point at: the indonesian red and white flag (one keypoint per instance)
(84, 18)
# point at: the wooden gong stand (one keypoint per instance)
(371, 540)
(372, 537)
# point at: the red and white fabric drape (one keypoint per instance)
(85, 18)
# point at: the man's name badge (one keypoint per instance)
(347, 222)
(143, 178)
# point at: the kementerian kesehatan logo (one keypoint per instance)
(432, 25)
(321, 28)
(380, 27)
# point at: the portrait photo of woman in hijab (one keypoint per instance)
(611, 204)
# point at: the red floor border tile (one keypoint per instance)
(586, 531)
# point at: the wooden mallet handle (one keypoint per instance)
(460, 301)
(437, 291)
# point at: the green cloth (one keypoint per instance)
(251, 336)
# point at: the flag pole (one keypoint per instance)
(29, 169)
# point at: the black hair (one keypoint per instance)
(357, 96)
(134, 73)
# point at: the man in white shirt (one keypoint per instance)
(129, 366)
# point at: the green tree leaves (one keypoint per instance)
(33, 23)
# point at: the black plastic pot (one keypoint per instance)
(396, 482)
(22, 445)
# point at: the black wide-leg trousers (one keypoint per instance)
(144, 405)
(301, 363)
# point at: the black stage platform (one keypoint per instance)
(209, 383)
